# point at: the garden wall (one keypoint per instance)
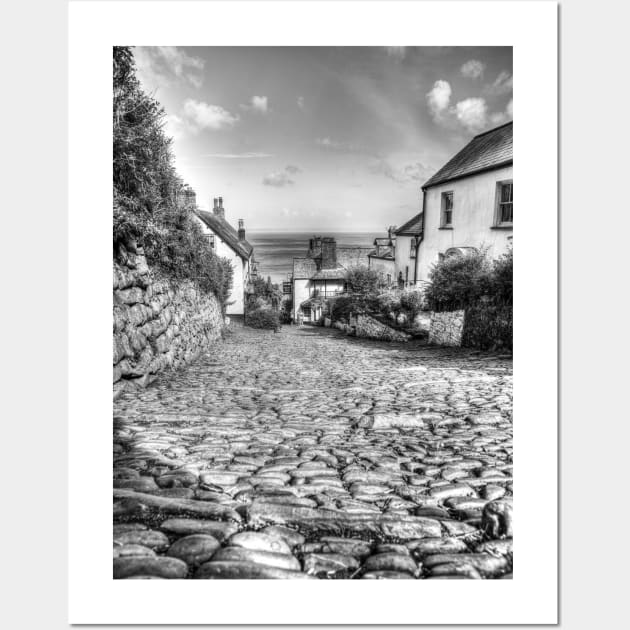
(446, 328)
(157, 323)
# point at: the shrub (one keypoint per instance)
(150, 204)
(263, 318)
(344, 306)
(387, 302)
(363, 281)
(412, 301)
(458, 281)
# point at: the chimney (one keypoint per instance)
(390, 231)
(241, 230)
(218, 207)
(329, 253)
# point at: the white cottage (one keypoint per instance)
(468, 203)
(231, 244)
(382, 258)
(321, 274)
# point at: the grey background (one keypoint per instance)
(594, 340)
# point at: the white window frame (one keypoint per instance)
(412, 247)
(498, 209)
(445, 195)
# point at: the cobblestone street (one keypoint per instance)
(310, 454)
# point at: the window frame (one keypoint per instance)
(498, 204)
(412, 247)
(443, 210)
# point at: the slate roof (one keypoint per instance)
(413, 227)
(330, 274)
(226, 232)
(489, 150)
(385, 255)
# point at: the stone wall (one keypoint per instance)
(446, 328)
(371, 328)
(157, 323)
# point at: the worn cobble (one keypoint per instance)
(310, 454)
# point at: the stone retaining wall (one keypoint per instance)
(446, 328)
(370, 328)
(157, 323)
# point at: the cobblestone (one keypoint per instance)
(307, 453)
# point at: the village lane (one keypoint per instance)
(310, 453)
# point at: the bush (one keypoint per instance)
(387, 302)
(458, 281)
(344, 306)
(263, 318)
(363, 281)
(412, 301)
(150, 203)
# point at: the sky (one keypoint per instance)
(322, 139)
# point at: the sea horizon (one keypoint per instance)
(274, 250)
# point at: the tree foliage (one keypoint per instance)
(150, 205)
(362, 280)
(461, 281)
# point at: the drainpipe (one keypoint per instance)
(419, 239)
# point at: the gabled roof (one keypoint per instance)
(413, 227)
(226, 232)
(330, 274)
(489, 150)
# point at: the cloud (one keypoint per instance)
(258, 104)
(397, 52)
(159, 66)
(238, 156)
(334, 145)
(403, 174)
(200, 115)
(439, 99)
(498, 118)
(472, 113)
(300, 102)
(503, 84)
(280, 179)
(473, 69)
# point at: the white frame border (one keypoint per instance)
(531, 597)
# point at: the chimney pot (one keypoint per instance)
(241, 230)
(218, 207)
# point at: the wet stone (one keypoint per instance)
(401, 563)
(148, 538)
(194, 549)
(329, 563)
(255, 556)
(186, 526)
(259, 541)
(170, 568)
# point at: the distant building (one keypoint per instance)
(229, 243)
(408, 238)
(321, 274)
(383, 257)
(467, 204)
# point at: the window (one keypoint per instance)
(447, 209)
(209, 239)
(412, 252)
(389, 279)
(505, 203)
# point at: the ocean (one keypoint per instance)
(274, 251)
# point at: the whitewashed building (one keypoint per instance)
(468, 203)
(229, 243)
(382, 258)
(321, 274)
